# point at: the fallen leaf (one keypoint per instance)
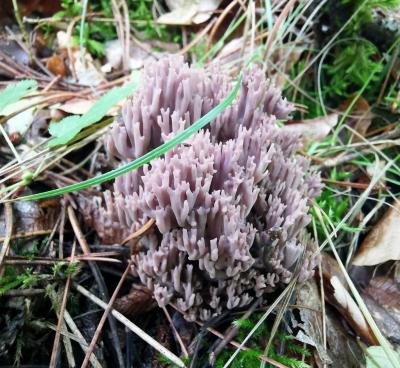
(187, 12)
(343, 301)
(137, 301)
(382, 242)
(342, 349)
(76, 106)
(337, 295)
(137, 56)
(312, 129)
(309, 328)
(32, 216)
(382, 297)
(361, 115)
(56, 65)
(86, 71)
(21, 122)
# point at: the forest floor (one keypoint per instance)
(67, 66)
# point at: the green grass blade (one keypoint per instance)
(14, 92)
(146, 158)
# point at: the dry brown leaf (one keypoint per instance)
(382, 297)
(382, 242)
(56, 65)
(87, 71)
(309, 329)
(312, 129)
(344, 302)
(32, 217)
(342, 348)
(337, 295)
(138, 55)
(77, 106)
(361, 113)
(188, 12)
(137, 301)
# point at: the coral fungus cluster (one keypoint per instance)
(230, 204)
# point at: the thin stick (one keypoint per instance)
(7, 238)
(199, 37)
(146, 227)
(54, 353)
(178, 337)
(99, 280)
(279, 21)
(232, 332)
(104, 316)
(143, 335)
(82, 342)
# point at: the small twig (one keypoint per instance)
(272, 361)
(271, 37)
(23, 292)
(82, 342)
(99, 280)
(20, 23)
(143, 230)
(232, 332)
(178, 337)
(7, 238)
(219, 21)
(104, 316)
(54, 353)
(143, 335)
(199, 37)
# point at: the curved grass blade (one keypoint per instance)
(146, 158)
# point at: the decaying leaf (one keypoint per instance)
(312, 129)
(77, 106)
(382, 297)
(382, 242)
(56, 65)
(187, 12)
(361, 115)
(137, 301)
(342, 349)
(343, 301)
(336, 294)
(31, 217)
(310, 328)
(138, 56)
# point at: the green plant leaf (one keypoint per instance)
(376, 357)
(146, 158)
(70, 126)
(14, 92)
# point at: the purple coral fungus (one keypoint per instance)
(230, 204)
